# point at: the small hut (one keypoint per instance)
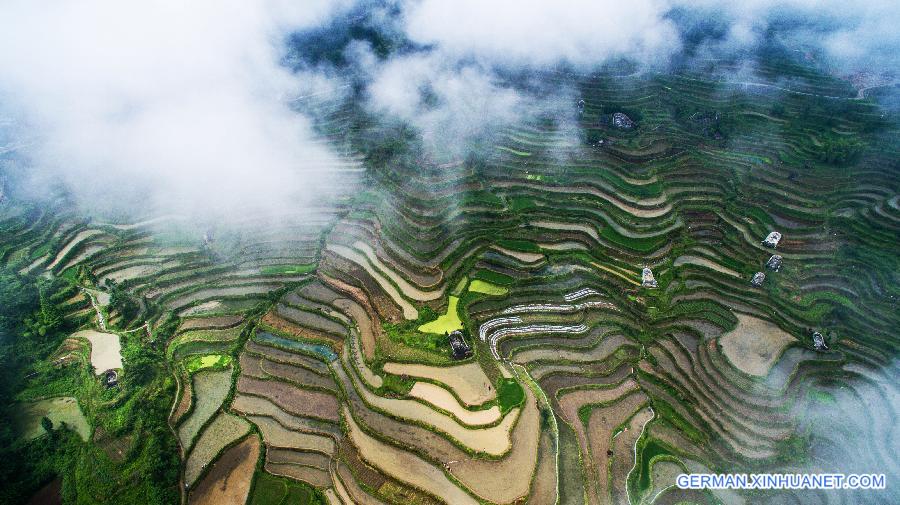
(622, 121)
(819, 342)
(758, 279)
(111, 378)
(772, 239)
(647, 279)
(458, 345)
(774, 262)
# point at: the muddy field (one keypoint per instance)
(210, 389)
(59, 410)
(106, 351)
(228, 481)
(222, 431)
(444, 400)
(406, 467)
(755, 345)
(291, 398)
(468, 381)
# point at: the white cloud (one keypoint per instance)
(853, 34)
(450, 104)
(587, 33)
(531, 33)
(180, 104)
(183, 104)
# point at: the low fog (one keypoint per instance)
(160, 107)
(449, 73)
(171, 107)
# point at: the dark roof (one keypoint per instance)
(458, 344)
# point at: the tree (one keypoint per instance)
(47, 424)
(839, 150)
(47, 319)
(16, 301)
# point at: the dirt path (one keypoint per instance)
(101, 319)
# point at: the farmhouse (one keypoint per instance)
(758, 279)
(459, 346)
(772, 239)
(620, 120)
(647, 279)
(112, 378)
(774, 262)
(819, 342)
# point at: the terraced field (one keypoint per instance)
(583, 386)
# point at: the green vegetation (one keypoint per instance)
(207, 362)
(823, 397)
(492, 277)
(447, 322)
(519, 245)
(41, 417)
(840, 150)
(429, 347)
(288, 269)
(269, 489)
(667, 412)
(649, 451)
(509, 394)
(123, 302)
(46, 319)
(430, 342)
(33, 328)
(396, 386)
(795, 448)
(513, 151)
(480, 286)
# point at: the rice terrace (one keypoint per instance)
(420, 252)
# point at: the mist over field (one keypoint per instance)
(187, 110)
(160, 108)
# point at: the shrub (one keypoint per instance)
(509, 394)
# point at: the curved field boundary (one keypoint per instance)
(404, 466)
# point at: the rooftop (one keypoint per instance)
(772, 239)
(647, 279)
(620, 120)
(819, 341)
(758, 279)
(458, 345)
